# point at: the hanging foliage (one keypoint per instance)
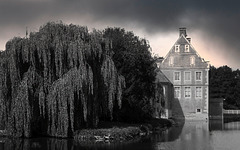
(57, 81)
(22, 106)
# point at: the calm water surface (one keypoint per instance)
(212, 135)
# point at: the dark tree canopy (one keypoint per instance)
(225, 83)
(133, 60)
(64, 78)
(57, 81)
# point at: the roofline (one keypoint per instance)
(165, 77)
(180, 68)
(193, 48)
(189, 44)
(171, 48)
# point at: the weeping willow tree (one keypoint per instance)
(57, 81)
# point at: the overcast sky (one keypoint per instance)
(214, 26)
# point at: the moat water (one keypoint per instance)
(195, 135)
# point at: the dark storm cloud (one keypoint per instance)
(217, 19)
(153, 15)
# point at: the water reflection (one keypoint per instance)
(216, 125)
(70, 144)
(232, 126)
(192, 135)
(35, 144)
(212, 135)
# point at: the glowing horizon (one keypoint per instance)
(161, 43)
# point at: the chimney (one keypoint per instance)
(183, 31)
(159, 61)
(189, 40)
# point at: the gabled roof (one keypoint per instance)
(182, 57)
(182, 39)
(161, 77)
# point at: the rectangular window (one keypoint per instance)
(164, 90)
(186, 48)
(177, 48)
(198, 110)
(187, 92)
(198, 76)
(192, 61)
(170, 61)
(187, 76)
(177, 76)
(198, 92)
(177, 92)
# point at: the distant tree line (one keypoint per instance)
(225, 83)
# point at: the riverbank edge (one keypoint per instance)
(131, 132)
(117, 132)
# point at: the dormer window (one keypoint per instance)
(192, 61)
(186, 48)
(177, 48)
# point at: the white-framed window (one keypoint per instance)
(198, 92)
(177, 92)
(177, 48)
(187, 92)
(187, 48)
(198, 76)
(171, 61)
(192, 60)
(187, 75)
(177, 76)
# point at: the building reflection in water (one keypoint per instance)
(217, 124)
(192, 135)
(232, 126)
(201, 135)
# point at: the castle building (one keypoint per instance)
(188, 73)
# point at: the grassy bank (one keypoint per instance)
(111, 134)
(121, 132)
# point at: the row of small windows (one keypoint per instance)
(187, 92)
(192, 61)
(177, 48)
(187, 76)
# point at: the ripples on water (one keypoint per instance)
(195, 135)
